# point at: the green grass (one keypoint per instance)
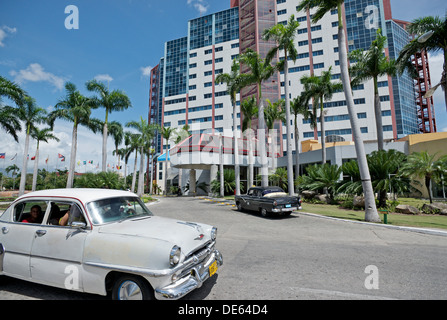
(420, 221)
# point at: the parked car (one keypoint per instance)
(109, 242)
(268, 200)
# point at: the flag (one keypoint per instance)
(85, 162)
(14, 157)
(2, 155)
(46, 161)
(33, 158)
(60, 156)
(91, 162)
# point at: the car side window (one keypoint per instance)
(251, 192)
(64, 213)
(30, 211)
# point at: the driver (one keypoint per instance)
(74, 214)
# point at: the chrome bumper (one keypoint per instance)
(286, 209)
(198, 274)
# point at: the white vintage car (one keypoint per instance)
(104, 241)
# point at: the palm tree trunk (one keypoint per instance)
(289, 130)
(297, 150)
(236, 152)
(250, 158)
(104, 147)
(261, 142)
(221, 167)
(74, 141)
(370, 204)
(323, 133)
(36, 163)
(427, 185)
(134, 177)
(378, 115)
(24, 165)
(141, 175)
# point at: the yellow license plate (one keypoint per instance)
(213, 268)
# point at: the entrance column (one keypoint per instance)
(192, 182)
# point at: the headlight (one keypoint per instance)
(213, 233)
(174, 256)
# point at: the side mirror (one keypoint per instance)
(78, 225)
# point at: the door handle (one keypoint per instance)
(41, 232)
(5, 230)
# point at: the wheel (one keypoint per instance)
(264, 212)
(130, 287)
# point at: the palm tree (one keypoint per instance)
(134, 144)
(76, 108)
(166, 133)
(284, 36)
(111, 101)
(321, 177)
(423, 165)
(14, 170)
(323, 7)
(249, 110)
(274, 111)
(31, 115)
(9, 120)
(40, 135)
(260, 71)
(146, 133)
(321, 89)
(432, 37)
(232, 81)
(117, 133)
(372, 64)
(299, 105)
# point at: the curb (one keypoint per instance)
(411, 229)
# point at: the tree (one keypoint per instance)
(111, 101)
(166, 133)
(423, 165)
(146, 133)
(384, 167)
(321, 177)
(31, 115)
(321, 88)
(372, 64)
(14, 170)
(76, 108)
(117, 133)
(284, 36)
(432, 37)
(249, 110)
(232, 80)
(322, 7)
(299, 105)
(260, 71)
(274, 111)
(9, 120)
(40, 135)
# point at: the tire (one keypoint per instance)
(129, 287)
(264, 212)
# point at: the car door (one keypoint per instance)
(17, 238)
(248, 199)
(56, 253)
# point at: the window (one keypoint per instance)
(30, 211)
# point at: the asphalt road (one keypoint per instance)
(298, 257)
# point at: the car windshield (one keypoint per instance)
(116, 209)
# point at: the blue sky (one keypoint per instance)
(118, 41)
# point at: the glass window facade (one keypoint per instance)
(176, 66)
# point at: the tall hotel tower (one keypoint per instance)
(183, 89)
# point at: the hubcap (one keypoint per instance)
(129, 290)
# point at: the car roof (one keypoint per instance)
(83, 194)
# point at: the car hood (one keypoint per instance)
(187, 235)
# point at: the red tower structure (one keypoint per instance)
(426, 112)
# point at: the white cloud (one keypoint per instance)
(35, 73)
(5, 31)
(146, 71)
(200, 5)
(103, 77)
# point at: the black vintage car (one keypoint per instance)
(268, 200)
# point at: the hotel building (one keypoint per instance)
(183, 89)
